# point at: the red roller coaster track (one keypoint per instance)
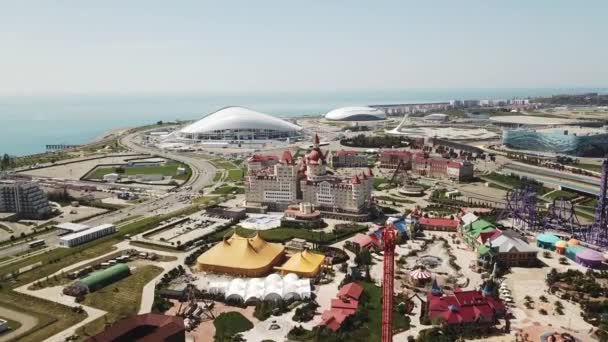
(388, 238)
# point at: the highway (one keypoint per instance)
(202, 176)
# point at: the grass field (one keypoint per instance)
(120, 300)
(235, 175)
(228, 324)
(168, 169)
(228, 189)
(374, 307)
(561, 193)
(218, 176)
(224, 164)
(52, 317)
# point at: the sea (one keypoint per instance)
(29, 123)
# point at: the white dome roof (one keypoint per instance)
(356, 113)
(239, 118)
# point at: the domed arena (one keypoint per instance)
(356, 114)
(237, 124)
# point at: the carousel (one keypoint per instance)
(419, 276)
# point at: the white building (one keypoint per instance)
(356, 114)
(234, 124)
(111, 177)
(308, 181)
(86, 235)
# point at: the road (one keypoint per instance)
(202, 176)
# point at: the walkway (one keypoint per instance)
(55, 293)
(27, 323)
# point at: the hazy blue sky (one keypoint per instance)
(216, 46)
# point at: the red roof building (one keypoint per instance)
(345, 305)
(369, 241)
(350, 290)
(390, 159)
(465, 308)
(438, 224)
(144, 328)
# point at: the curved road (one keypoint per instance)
(202, 176)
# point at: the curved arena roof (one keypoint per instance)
(532, 120)
(356, 114)
(232, 118)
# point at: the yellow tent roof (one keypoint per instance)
(241, 252)
(561, 244)
(303, 262)
(572, 242)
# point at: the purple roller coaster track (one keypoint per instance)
(523, 210)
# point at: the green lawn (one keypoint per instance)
(374, 325)
(52, 317)
(228, 189)
(235, 175)
(561, 193)
(379, 181)
(218, 176)
(168, 169)
(224, 164)
(120, 299)
(228, 324)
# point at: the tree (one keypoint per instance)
(543, 299)
(364, 257)
(159, 123)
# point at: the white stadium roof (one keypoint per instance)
(230, 118)
(353, 113)
(532, 120)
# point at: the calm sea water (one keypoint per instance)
(27, 124)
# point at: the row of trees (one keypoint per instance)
(7, 162)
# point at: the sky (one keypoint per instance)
(149, 46)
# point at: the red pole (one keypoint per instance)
(388, 238)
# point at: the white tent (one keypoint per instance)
(271, 288)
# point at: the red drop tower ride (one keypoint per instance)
(388, 238)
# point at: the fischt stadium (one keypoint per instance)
(576, 141)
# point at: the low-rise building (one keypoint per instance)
(457, 170)
(390, 159)
(86, 235)
(308, 181)
(146, 327)
(3, 325)
(464, 310)
(24, 198)
(344, 158)
(111, 177)
(508, 249)
(478, 232)
(303, 215)
(344, 305)
(438, 224)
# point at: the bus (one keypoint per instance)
(37, 243)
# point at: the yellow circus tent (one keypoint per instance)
(237, 255)
(304, 264)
